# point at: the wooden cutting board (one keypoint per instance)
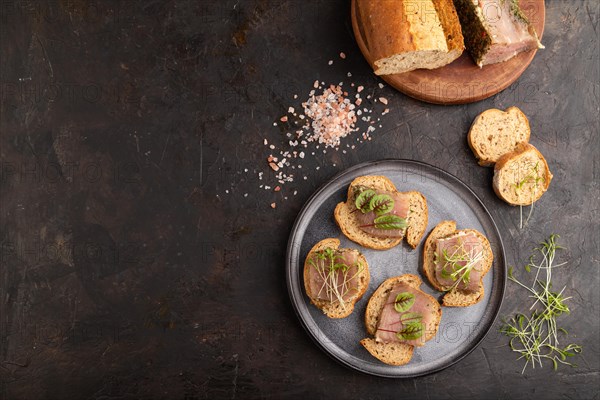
(461, 81)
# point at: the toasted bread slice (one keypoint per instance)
(417, 218)
(454, 298)
(394, 353)
(522, 176)
(495, 132)
(336, 309)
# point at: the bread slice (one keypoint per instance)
(403, 35)
(394, 353)
(522, 176)
(417, 218)
(495, 132)
(335, 309)
(454, 298)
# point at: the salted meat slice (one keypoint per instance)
(495, 30)
(459, 258)
(334, 274)
(401, 209)
(392, 322)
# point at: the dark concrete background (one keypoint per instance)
(128, 271)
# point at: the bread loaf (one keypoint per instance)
(403, 35)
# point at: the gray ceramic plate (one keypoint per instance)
(461, 329)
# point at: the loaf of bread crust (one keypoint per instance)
(403, 35)
(495, 132)
(454, 298)
(522, 176)
(417, 219)
(335, 309)
(394, 353)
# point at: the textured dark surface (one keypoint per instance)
(128, 271)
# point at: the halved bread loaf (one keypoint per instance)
(522, 176)
(347, 220)
(495, 132)
(403, 35)
(336, 309)
(454, 298)
(394, 353)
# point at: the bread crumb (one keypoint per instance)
(273, 205)
(284, 118)
(273, 166)
(383, 100)
(277, 188)
(342, 55)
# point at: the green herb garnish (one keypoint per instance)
(534, 178)
(404, 301)
(536, 337)
(410, 317)
(410, 331)
(381, 204)
(363, 201)
(335, 274)
(459, 264)
(388, 222)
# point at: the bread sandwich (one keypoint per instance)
(455, 262)
(334, 278)
(398, 318)
(376, 215)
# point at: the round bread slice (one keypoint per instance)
(394, 353)
(336, 309)
(495, 132)
(349, 225)
(522, 176)
(454, 298)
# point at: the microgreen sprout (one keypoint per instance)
(335, 273)
(536, 337)
(535, 178)
(459, 264)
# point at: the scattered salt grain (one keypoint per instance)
(381, 86)
(265, 142)
(330, 62)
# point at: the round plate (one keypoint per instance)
(461, 329)
(461, 81)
